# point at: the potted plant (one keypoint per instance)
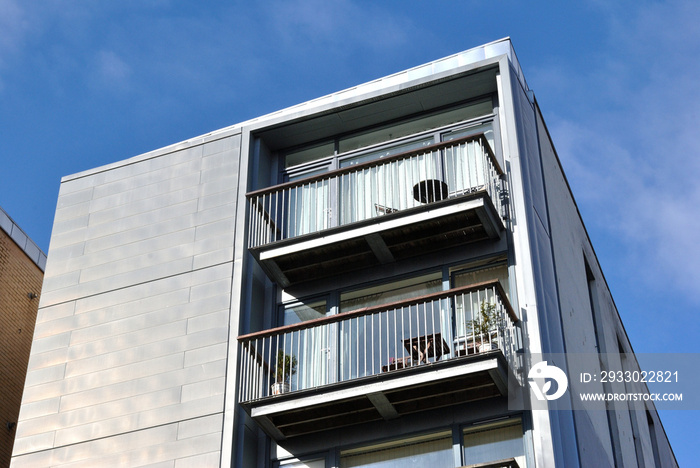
(485, 327)
(285, 368)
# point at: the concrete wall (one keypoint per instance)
(20, 276)
(129, 360)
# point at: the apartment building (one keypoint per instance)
(364, 279)
(21, 272)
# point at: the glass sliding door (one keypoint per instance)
(494, 442)
(433, 450)
(370, 344)
(309, 350)
(465, 166)
(469, 308)
(385, 187)
(307, 208)
(320, 463)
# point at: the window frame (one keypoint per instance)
(334, 161)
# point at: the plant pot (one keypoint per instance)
(280, 388)
(488, 345)
(483, 347)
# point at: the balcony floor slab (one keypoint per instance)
(381, 240)
(385, 396)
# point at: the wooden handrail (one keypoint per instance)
(377, 162)
(382, 307)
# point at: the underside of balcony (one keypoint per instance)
(380, 240)
(386, 396)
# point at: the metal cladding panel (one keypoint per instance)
(129, 361)
(187, 443)
(142, 221)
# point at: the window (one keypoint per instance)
(415, 126)
(367, 347)
(321, 463)
(475, 275)
(481, 443)
(309, 350)
(653, 440)
(391, 292)
(431, 450)
(304, 311)
(387, 151)
(492, 442)
(306, 155)
(478, 307)
(590, 278)
(331, 154)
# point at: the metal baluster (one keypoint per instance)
(471, 315)
(448, 338)
(410, 334)
(372, 342)
(249, 374)
(315, 346)
(244, 376)
(395, 334)
(364, 348)
(293, 228)
(283, 213)
(273, 214)
(254, 389)
(258, 220)
(425, 327)
(366, 180)
(388, 340)
(379, 344)
(403, 337)
(327, 197)
(299, 360)
(261, 370)
(269, 366)
(404, 189)
(251, 224)
(313, 206)
(435, 343)
(249, 371)
(340, 355)
(392, 186)
(266, 209)
(284, 361)
(288, 218)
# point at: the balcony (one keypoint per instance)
(376, 212)
(380, 362)
(507, 463)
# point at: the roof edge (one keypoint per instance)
(22, 240)
(445, 65)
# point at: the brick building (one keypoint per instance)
(21, 273)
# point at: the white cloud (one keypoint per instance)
(340, 24)
(112, 71)
(13, 27)
(635, 159)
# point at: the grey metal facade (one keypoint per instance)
(129, 358)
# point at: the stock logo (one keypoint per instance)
(540, 379)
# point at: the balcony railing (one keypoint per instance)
(375, 188)
(507, 463)
(378, 340)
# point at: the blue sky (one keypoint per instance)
(84, 84)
